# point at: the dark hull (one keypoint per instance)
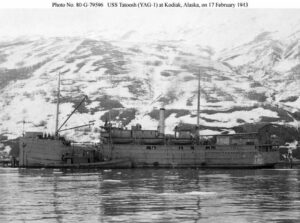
(41, 153)
(191, 156)
(204, 166)
(252, 166)
(50, 153)
(111, 164)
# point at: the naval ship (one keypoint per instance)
(137, 147)
(187, 148)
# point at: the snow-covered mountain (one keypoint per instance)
(128, 81)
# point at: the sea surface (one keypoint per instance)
(149, 195)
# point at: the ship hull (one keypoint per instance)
(156, 155)
(51, 153)
(191, 156)
(35, 152)
(110, 164)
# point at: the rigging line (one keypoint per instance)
(75, 127)
(85, 97)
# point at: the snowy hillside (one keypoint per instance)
(257, 81)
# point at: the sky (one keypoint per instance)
(217, 28)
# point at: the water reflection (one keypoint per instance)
(149, 195)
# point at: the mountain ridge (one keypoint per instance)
(251, 83)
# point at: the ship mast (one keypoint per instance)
(198, 102)
(57, 105)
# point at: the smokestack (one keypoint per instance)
(161, 125)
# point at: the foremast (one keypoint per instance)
(59, 129)
(57, 105)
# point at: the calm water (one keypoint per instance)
(150, 195)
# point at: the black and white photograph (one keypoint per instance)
(150, 111)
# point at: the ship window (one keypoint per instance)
(148, 147)
(250, 143)
(153, 147)
(192, 148)
(207, 147)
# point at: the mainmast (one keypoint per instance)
(57, 105)
(198, 102)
